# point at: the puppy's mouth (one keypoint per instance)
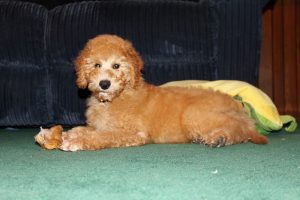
(104, 96)
(103, 92)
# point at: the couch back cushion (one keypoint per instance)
(23, 67)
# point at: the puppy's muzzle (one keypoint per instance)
(104, 84)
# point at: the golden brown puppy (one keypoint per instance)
(123, 110)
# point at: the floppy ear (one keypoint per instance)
(136, 62)
(80, 63)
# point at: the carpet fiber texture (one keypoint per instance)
(187, 171)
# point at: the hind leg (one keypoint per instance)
(219, 137)
(217, 129)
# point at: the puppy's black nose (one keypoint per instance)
(104, 84)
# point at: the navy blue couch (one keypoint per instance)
(178, 39)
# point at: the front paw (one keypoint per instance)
(49, 138)
(70, 143)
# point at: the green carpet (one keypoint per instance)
(188, 171)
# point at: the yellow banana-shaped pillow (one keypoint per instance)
(259, 106)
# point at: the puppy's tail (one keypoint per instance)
(257, 138)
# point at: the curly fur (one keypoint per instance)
(131, 112)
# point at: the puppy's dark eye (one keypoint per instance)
(97, 65)
(116, 66)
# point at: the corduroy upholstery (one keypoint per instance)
(205, 39)
(23, 66)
